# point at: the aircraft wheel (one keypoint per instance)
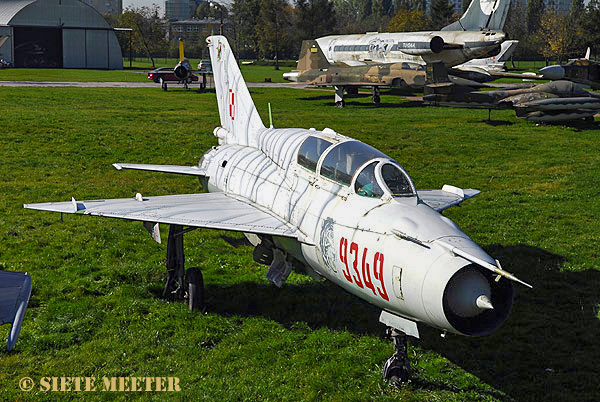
(163, 84)
(375, 99)
(186, 86)
(195, 289)
(340, 103)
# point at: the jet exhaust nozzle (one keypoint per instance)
(182, 70)
(419, 45)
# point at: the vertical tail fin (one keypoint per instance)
(311, 56)
(587, 54)
(482, 14)
(239, 116)
(181, 55)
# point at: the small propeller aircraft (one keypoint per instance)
(181, 74)
(321, 203)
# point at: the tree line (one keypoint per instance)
(274, 29)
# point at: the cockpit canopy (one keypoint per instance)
(350, 160)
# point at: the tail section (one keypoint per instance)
(312, 57)
(587, 53)
(482, 14)
(507, 48)
(239, 117)
(181, 55)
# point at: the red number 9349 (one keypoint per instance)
(361, 276)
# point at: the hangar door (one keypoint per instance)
(86, 48)
(38, 47)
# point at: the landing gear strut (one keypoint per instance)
(397, 368)
(375, 99)
(181, 285)
(339, 97)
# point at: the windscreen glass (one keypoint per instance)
(366, 183)
(310, 152)
(341, 162)
(396, 180)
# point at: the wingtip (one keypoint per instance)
(117, 166)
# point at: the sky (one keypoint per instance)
(140, 3)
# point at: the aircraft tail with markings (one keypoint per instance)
(482, 14)
(240, 122)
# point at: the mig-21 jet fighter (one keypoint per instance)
(330, 206)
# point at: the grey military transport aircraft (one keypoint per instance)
(321, 203)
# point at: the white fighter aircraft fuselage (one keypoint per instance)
(330, 206)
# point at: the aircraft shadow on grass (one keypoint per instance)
(547, 350)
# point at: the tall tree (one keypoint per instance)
(409, 21)
(347, 13)
(273, 29)
(535, 11)
(575, 21)
(590, 25)
(148, 32)
(314, 18)
(442, 13)
(555, 34)
(245, 15)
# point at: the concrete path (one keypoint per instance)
(133, 84)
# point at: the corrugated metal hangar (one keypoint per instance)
(57, 33)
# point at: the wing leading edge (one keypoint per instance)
(206, 210)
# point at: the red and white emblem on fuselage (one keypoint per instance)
(231, 99)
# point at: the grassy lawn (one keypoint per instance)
(252, 73)
(96, 309)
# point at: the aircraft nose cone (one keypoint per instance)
(553, 72)
(469, 294)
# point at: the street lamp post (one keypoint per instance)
(220, 7)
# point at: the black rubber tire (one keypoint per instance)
(376, 99)
(163, 84)
(195, 285)
(340, 104)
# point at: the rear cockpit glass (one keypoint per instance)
(310, 152)
(366, 183)
(396, 180)
(341, 162)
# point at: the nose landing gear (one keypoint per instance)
(397, 368)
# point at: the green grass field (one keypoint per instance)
(96, 308)
(252, 73)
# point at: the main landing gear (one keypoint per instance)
(182, 285)
(376, 98)
(397, 368)
(339, 97)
